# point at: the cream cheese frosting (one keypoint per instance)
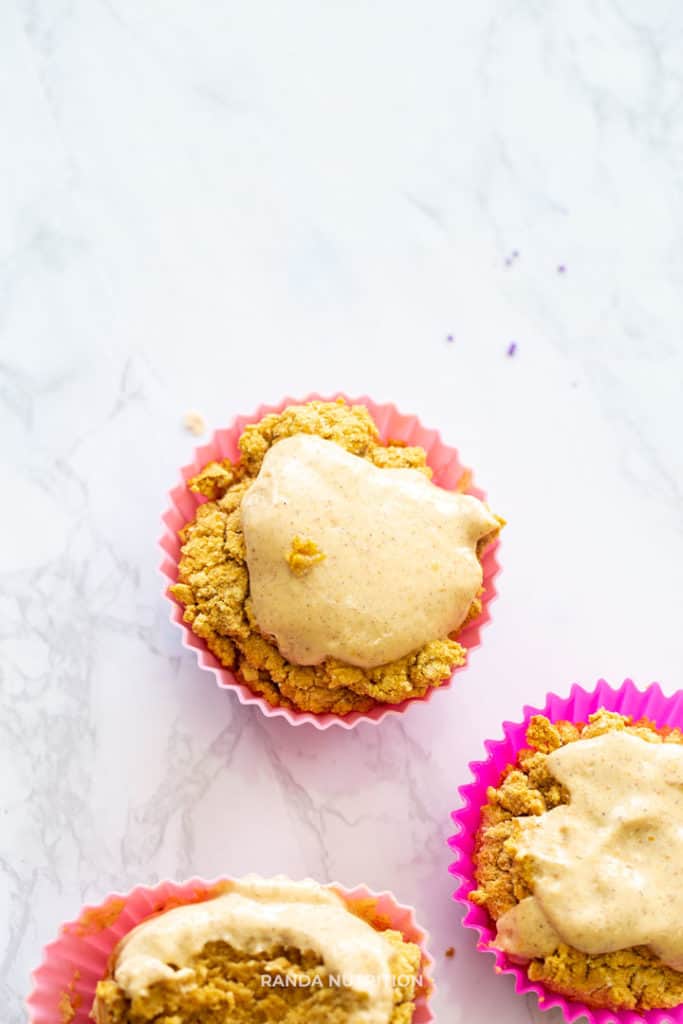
(395, 561)
(608, 866)
(255, 915)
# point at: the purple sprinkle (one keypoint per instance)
(515, 254)
(561, 269)
(449, 337)
(512, 348)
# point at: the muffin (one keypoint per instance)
(578, 860)
(325, 567)
(261, 950)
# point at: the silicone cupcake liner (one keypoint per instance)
(580, 703)
(64, 984)
(449, 473)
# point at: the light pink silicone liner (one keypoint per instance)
(628, 700)
(391, 424)
(72, 965)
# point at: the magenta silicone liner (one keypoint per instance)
(64, 984)
(650, 703)
(392, 425)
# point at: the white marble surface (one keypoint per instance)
(208, 204)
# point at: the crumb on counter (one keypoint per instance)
(303, 555)
(450, 952)
(195, 423)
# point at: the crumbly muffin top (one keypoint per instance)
(213, 579)
(620, 979)
(264, 950)
(275, 985)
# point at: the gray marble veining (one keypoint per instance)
(209, 206)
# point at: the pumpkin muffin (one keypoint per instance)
(262, 952)
(577, 860)
(297, 606)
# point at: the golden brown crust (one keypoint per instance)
(213, 582)
(102, 1008)
(633, 979)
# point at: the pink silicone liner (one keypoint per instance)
(64, 984)
(392, 424)
(628, 700)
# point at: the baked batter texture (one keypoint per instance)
(228, 986)
(633, 979)
(213, 579)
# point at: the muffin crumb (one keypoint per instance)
(195, 423)
(303, 555)
(70, 1000)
